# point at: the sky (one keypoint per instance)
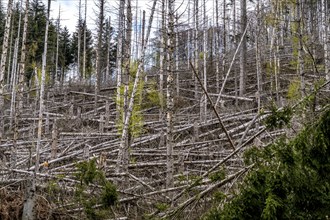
(69, 11)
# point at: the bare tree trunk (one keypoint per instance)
(242, 80)
(28, 209)
(258, 58)
(107, 71)
(196, 54)
(162, 67)
(79, 41)
(99, 49)
(128, 40)
(203, 109)
(326, 40)
(169, 101)
(177, 84)
(299, 6)
(189, 38)
(21, 76)
(224, 39)
(14, 74)
(9, 65)
(3, 65)
(120, 54)
(57, 44)
(84, 56)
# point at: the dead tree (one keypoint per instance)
(28, 210)
(99, 49)
(3, 64)
(120, 54)
(79, 40)
(170, 97)
(84, 50)
(242, 76)
(326, 39)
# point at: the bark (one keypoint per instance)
(162, 67)
(99, 49)
(79, 41)
(120, 54)
(84, 50)
(107, 71)
(3, 64)
(169, 97)
(196, 52)
(57, 44)
(203, 110)
(326, 40)
(242, 77)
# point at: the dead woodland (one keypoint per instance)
(149, 115)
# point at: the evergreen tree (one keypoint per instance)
(290, 180)
(65, 57)
(89, 49)
(109, 49)
(35, 42)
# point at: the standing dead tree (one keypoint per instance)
(29, 203)
(170, 97)
(3, 65)
(99, 49)
(122, 160)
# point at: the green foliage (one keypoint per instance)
(136, 122)
(89, 175)
(109, 195)
(278, 118)
(294, 90)
(161, 206)
(290, 180)
(218, 176)
(219, 196)
(152, 97)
